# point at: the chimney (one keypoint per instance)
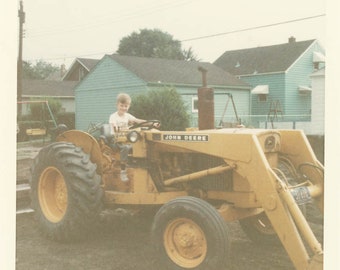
(291, 39)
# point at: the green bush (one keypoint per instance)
(40, 110)
(162, 104)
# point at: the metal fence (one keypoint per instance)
(261, 121)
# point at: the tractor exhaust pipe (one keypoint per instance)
(205, 104)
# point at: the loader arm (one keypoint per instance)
(251, 155)
(281, 208)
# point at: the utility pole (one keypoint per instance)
(21, 15)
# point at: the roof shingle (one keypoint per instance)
(153, 70)
(88, 63)
(48, 88)
(275, 58)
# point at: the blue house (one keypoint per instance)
(95, 95)
(280, 78)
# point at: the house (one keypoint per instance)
(79, 69)
(39, 92)
(58, 85)
(317, 124)
(280, 76)
(96, 93)
(34, 90)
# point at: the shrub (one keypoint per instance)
(162, 104)
(40, 110)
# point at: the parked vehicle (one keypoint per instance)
(198, 179)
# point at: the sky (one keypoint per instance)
(58, 31)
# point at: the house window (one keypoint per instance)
(194, 104)
(261, 91)
(262, 97)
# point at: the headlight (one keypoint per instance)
(133, 136)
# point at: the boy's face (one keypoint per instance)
(122, 108)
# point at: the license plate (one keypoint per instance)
(301, 195)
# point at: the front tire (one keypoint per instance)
(65, 191)
(189, 233)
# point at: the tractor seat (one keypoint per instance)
(106, 134)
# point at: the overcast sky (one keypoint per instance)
(60, 30)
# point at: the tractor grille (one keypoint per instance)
(212, 182)
(219, 182)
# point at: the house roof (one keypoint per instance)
(48, 88)
(275, 58)
(87, 63)
(155, 70)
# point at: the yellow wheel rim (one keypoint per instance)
(185, 243)
(52, 192)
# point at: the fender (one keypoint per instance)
(87, 142)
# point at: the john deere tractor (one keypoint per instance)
(199, 180)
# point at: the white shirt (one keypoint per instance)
(121, 122)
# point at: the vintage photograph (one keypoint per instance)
(170, 135)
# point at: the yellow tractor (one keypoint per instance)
(199, 180)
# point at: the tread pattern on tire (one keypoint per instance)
(84, 190)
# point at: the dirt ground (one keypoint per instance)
(122, 242)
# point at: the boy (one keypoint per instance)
(120, 120)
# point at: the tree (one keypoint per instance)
(163, 104)
(153, 43)
(189, 55)
(40, 70)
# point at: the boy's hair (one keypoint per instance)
(123, 98)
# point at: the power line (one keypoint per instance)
(204, 37)
(253, 28)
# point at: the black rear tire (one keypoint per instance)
(189, 233)
(65, 191)
(259, 229)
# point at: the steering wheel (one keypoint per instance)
(93, 127)
(149, 124)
